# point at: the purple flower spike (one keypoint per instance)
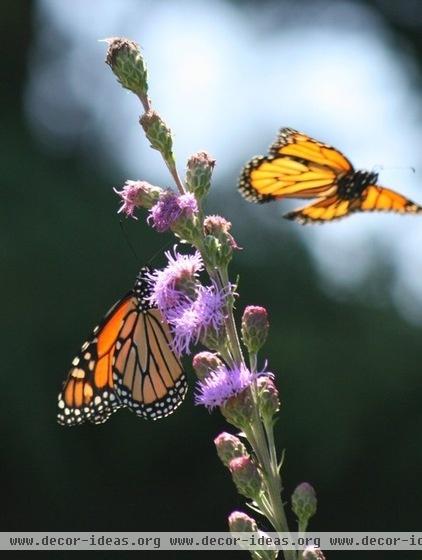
(165, 283)
(190, 320)
(170, 208)
(222, 384)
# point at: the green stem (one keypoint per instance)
(264, 446)
(230, 322)
(261, 440)
(173, 172)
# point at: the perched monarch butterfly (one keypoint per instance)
(127, 362)
(300, 167)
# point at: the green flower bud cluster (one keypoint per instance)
(267, 397)
(198, 174)
(229, 447)
(159, 135)
(239, 522)
(125, 59)
(204, 363)
(255, 327)
(214, 339)
(247, 477)
(186, 228)
(304, 504)
(218, 242)
(239, 410)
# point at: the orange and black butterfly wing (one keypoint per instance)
(149, 378)
(325, 210)
(381, 199)
(297, 167)
(373, 199)
(89, 394)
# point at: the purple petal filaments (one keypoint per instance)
(170, 208)
(165, 292)
(222, 384)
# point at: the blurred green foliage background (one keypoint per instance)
(349, 373)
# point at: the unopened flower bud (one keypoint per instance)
(313, 553)
(214, 338)
(268, 399)
(125, 59)
(246, 476)
(239, 409)
(229, 447)
(219, 242)
(216, 225)
(239, 522)
(198, 174)
(204, 363)
(159, 135)
(211, 252)
(304, 503)
(255, 327)
(137, 194)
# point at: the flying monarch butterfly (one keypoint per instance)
(127, 362)
(300, 167)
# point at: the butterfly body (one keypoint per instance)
(352, 185)
(127, 362)
(298, 166)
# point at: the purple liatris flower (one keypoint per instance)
(222, 384)
(137, 194)
(170, 208)
(167, 284)
(190, 309)
(190, 320)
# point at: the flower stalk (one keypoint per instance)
(247, 398)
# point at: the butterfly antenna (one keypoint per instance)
(128, 241)
(133, 251)
(388, 167)
(159, 252)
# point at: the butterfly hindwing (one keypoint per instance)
(324, 210)
(381, 199)
(149, 377)
(374, 199)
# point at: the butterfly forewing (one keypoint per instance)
(296, 167)
(88, 393)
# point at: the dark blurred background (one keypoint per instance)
(347, 354)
